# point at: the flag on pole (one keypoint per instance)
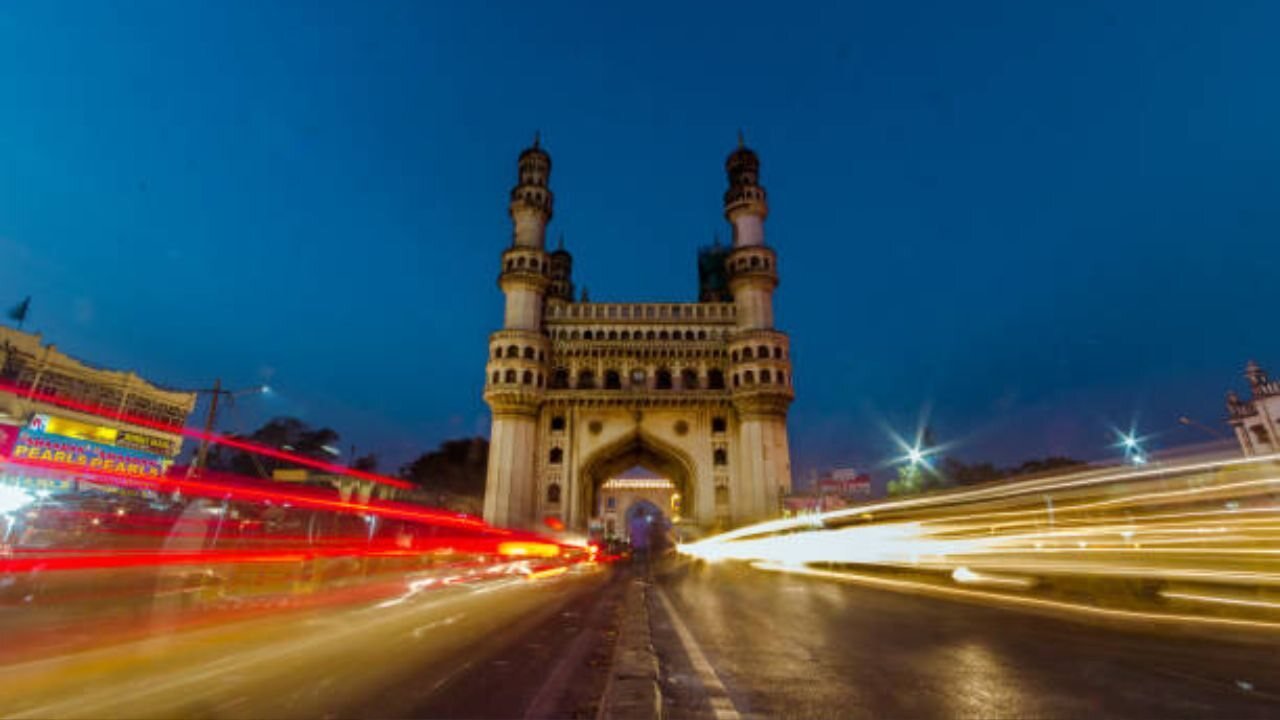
(19, 312)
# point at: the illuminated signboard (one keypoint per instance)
(83, 454)
(53, 425)
(65, 427)
(145, 443)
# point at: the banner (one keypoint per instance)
(145, 443)
(83, 454)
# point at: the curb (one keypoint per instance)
(632, 689)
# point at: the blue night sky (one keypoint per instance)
(1038, 219)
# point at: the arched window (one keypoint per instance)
(496, 376)
(513, 351)
(528, 377)
(612, 380)
(764, 352)
(755, 261)
(586, 379)
(511, 376)
(586, 335)
(735, 380)
(651, 335)
(528, 353)
(541, 356)
(766, 376)
(574, 335)
(702, 334)
(560, 379)
(662, 379)
(497, 353)
(553, 494)
(734, 356)
(626, 335)
(556, 457)
(719, 425)
(511, 264)
(715, 380)
(519, 262)
(663, 335)
(720, 457)
(613, 334)
(688, 334)
(748, 377)
(777, 353)
(689, 379)
(746, 353)
(557, 423)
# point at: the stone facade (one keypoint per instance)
(695, 392)
(1256, 421)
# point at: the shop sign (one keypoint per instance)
(145, 443)
(84, 455)
(53, 425)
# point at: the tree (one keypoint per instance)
(282, 433)
(452, 475)
(366, 463)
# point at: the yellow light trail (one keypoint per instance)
(1210, 523)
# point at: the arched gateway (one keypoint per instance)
(695, 392)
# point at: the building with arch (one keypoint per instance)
(1256, 420)
(695, 392)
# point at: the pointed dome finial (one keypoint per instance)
(742, 142)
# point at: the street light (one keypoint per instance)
(915, 455)
(216, 392)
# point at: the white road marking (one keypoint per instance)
(721, 704)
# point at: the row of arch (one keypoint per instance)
(523, 263)
(638, 334)
(515, 351)
(514, 377)
(761, 352)
(766, 376)
(644, 352)
(663, 379)
(604, 311)
(755, 262)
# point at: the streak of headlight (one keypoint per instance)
(1220, 599)
(1021, 600)
(548, 573)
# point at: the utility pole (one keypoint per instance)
(1192, 423)
(202, 457)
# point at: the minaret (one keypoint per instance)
(561, 274)
(517, 369)
(760, 355)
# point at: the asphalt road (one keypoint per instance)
(766, 644)
(492, 649)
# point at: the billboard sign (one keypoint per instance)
(75, 454)
(145, 443)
